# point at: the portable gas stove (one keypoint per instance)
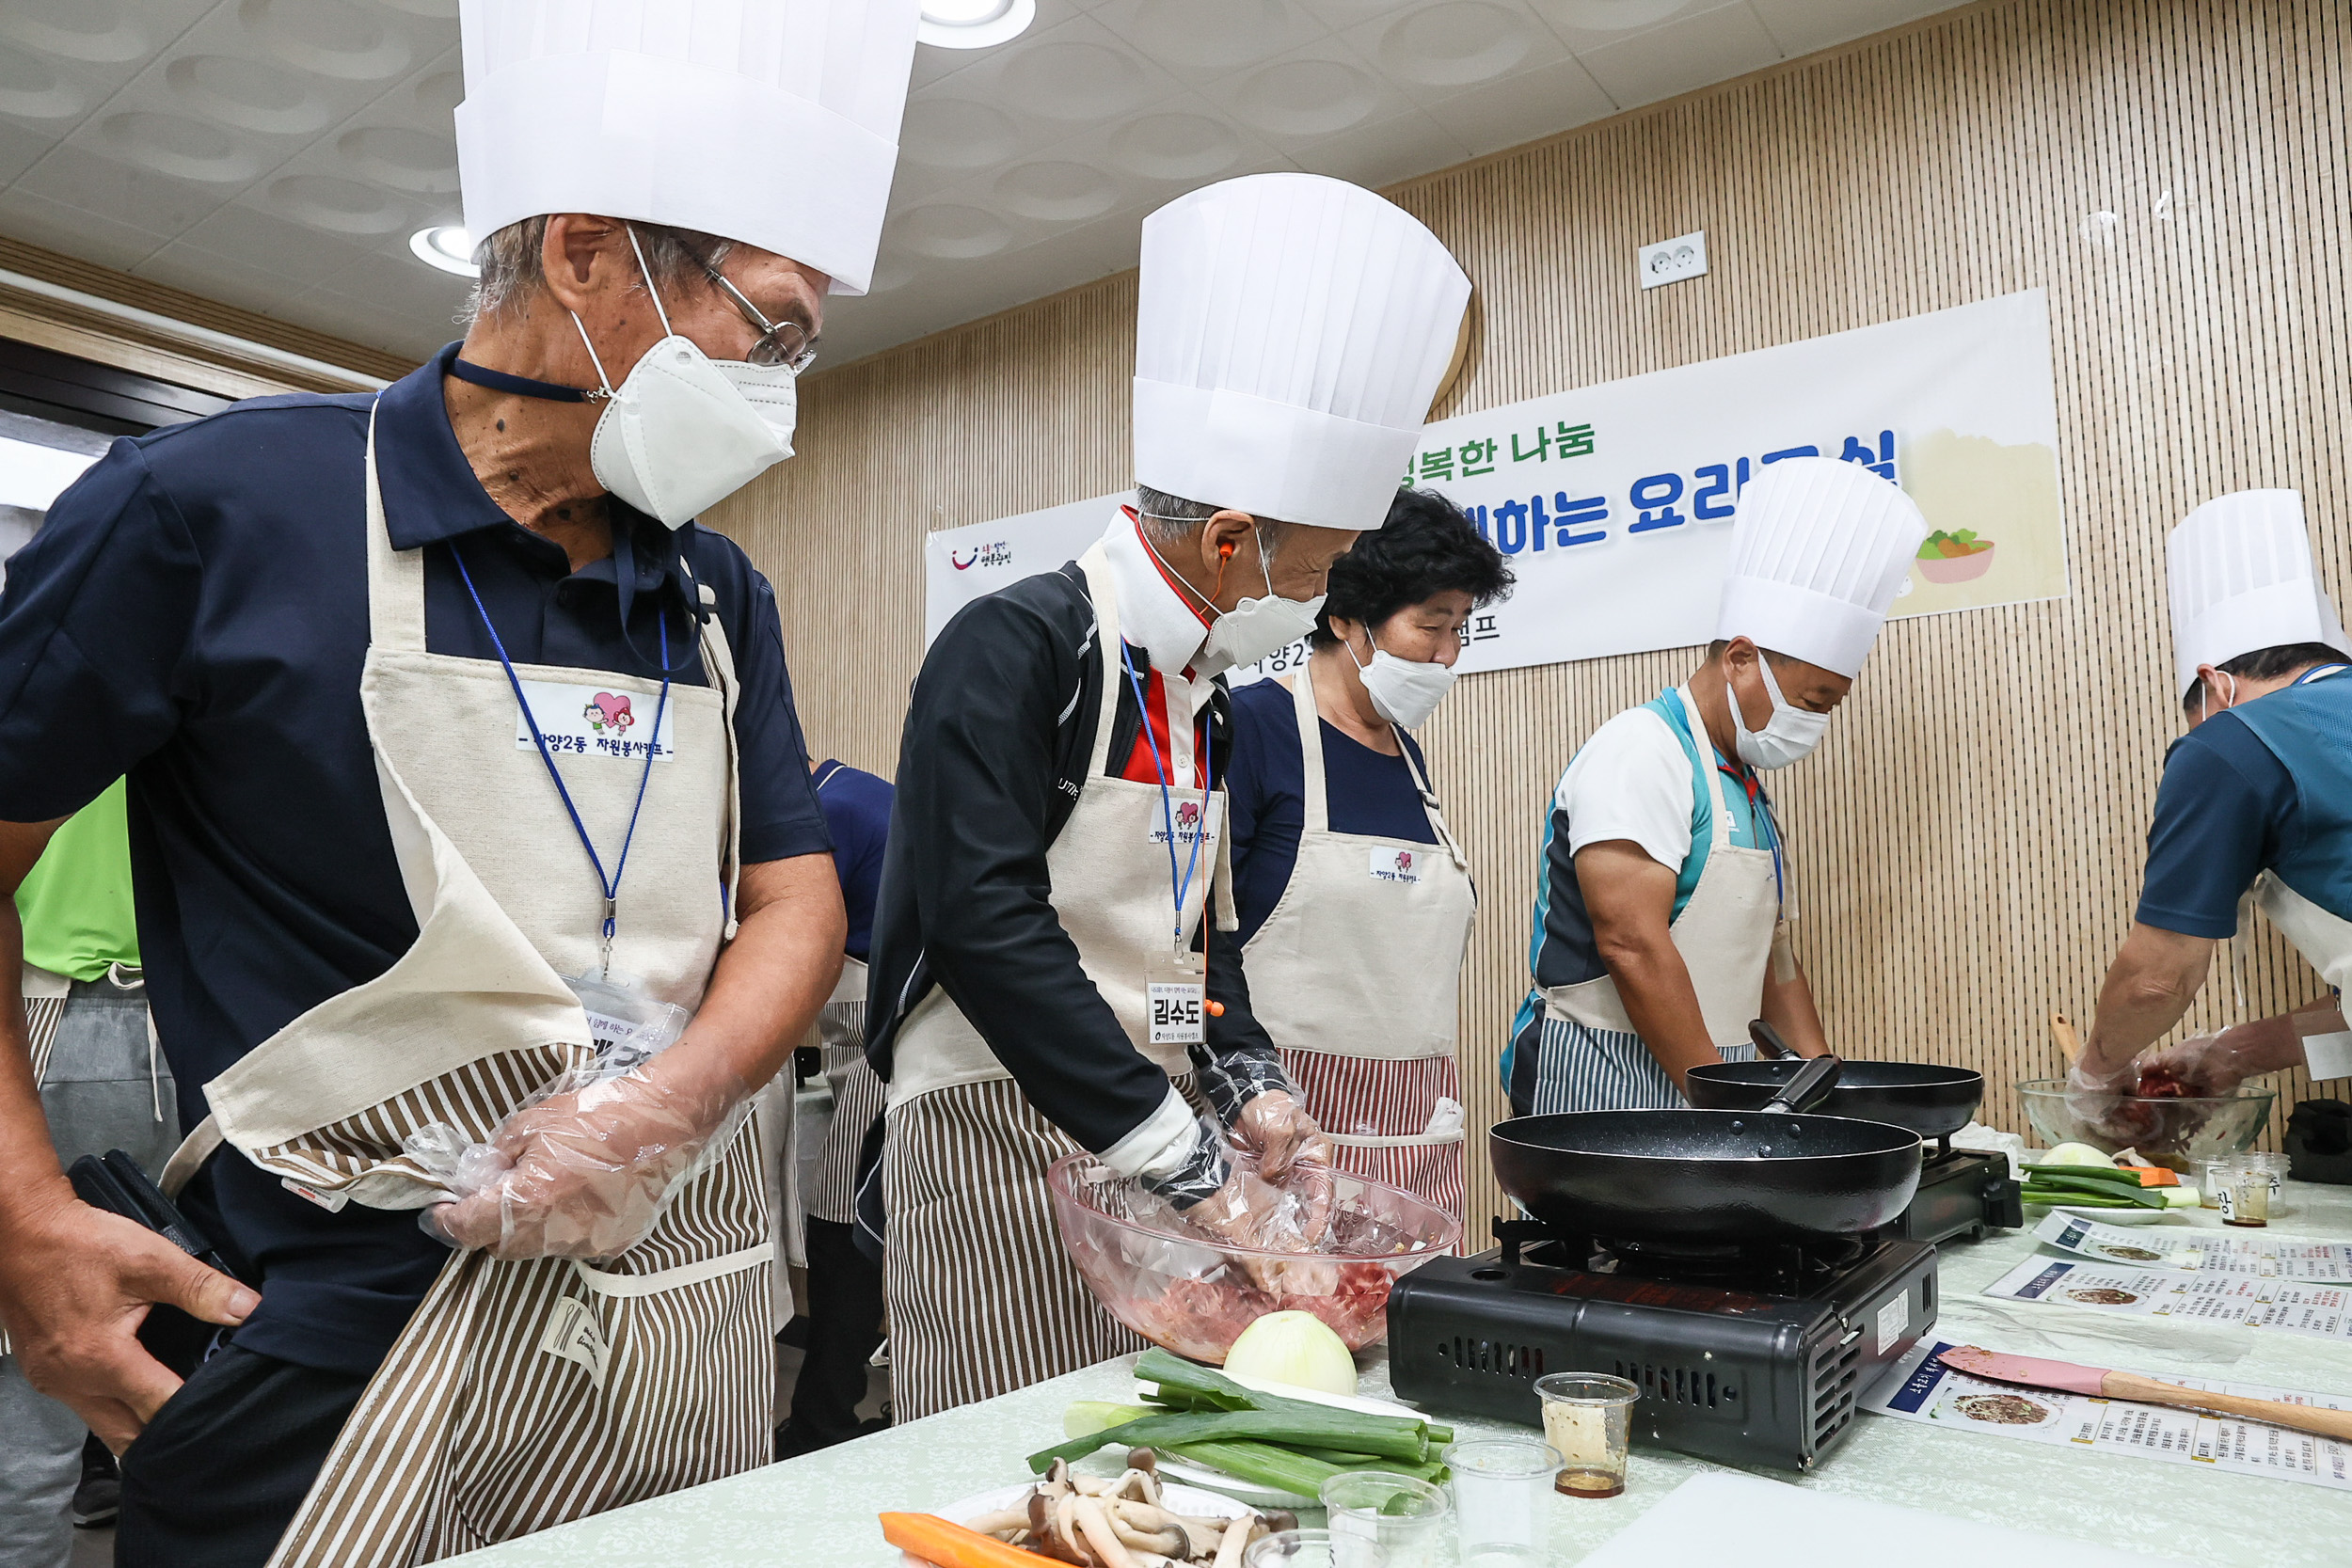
(1746, 1356)
(1960, 1194)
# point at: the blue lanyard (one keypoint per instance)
(1760, 807)
(611, 885)
(1167, 813)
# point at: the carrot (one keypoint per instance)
(2153, 1176)
(948, 1544)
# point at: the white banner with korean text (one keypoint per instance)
(1613, 502)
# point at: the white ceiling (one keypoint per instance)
(277, 154)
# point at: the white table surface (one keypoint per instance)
(820, 1509)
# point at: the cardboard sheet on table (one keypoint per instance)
(1711, 1520)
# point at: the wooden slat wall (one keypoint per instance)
(1968, 843)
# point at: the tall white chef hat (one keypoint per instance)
(2241, 578)
(774, 123)
(1819, 549)
(1290, 333)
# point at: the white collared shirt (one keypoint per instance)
(1153, 613)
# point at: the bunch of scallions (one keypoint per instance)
(1202, 1415)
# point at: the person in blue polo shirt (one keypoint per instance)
(1354, 900)
(480, 877)
(2257, 798)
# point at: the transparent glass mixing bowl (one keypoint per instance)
(2174, 1132)
(1194, 1296)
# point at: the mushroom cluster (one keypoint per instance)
(1098, 1523)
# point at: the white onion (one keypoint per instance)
(1296, 1350)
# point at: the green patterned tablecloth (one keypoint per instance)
(820, 1509)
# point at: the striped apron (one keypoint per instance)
(1589, 1058)
(983, 1298)
(520, 1395)
(858, 1096)
(1355, 974)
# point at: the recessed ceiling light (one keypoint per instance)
(974, 24)
(447, 246)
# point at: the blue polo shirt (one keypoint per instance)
(857, 811)
(1364, 792)
(194, 613)
(2229, 807)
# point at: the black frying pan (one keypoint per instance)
(1934, 1101)
(1710, 1177)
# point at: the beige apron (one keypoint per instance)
(1590, 1057)
(521, 1394)
(1355, 974)
(983, 1300)
(2325, 940)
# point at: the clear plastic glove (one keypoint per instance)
(1250, 1211)
(1293, 1152)
(2207, 1066)
(585, 1170)
(2103, 1103)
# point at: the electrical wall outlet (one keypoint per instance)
(1672, 261)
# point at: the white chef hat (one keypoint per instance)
(1819, 549)
(2240, 569)
(773, 122)
(1290, 333)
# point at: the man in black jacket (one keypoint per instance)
(1045, 975)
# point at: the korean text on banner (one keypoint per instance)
(1613, 502)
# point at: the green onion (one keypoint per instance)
(1333, 1429)
(1433, 1470)
(1285, 1470)
(1183, 1381)
(2063, 1188)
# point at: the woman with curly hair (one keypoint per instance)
(1355, 899)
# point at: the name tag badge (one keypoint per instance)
(1192, 819)
(1397, 864)
(596, 722)
(1174, 991)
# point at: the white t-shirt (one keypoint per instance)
(1632, 781)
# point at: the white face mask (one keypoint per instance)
(2204, 697)
(1790, 736)
(683, 431)
(1256, 627)
(1404, 692)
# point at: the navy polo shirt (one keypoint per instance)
(857, 811)
(1365, 792)
(2226, 809)
(194, 613)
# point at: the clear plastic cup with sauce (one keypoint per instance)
(1589, 1418)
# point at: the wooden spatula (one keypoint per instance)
(2101, 1383)
(2069, 1044)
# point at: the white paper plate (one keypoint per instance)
(2109, 1216)
(1250, 1492)
(1179, 1499)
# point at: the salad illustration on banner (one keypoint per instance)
(1960, 557)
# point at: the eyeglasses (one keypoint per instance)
(785, 343)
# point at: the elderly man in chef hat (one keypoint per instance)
(1040, 986)
(2256, 798)
(435, 932)
(1659, 931)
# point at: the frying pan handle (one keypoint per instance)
(1808, 1087)
(1768, 1042)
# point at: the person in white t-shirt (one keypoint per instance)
(1659, 903)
